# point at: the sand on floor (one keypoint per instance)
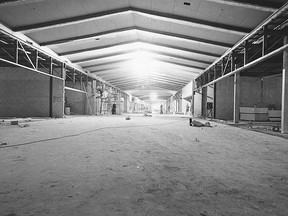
(107, 165)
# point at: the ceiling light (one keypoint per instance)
(142, 64)
(153, 96)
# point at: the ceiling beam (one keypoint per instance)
(73, 52)
(128, 52)
(251, 4)
(161, 45)
(137, 29)
(179, 71)
(102, 48)
(149, 81)
(7, 3)
(181, 76)
(151, 77)
(134, 85)
(152, 14)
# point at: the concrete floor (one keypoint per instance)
(106, 165)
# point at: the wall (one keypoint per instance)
(198, 103)
(75, 100)
(25, 93)
(58, 98)
(225, 99)
(272, 91)
(252, 93)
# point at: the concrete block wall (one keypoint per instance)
(225, 99)
(58, 98)
(250, 91)
(24, 93)
(272, 91)
(90, 102)
(251, 94)
(74, 99)
(198, 103)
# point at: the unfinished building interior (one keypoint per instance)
(97, 99)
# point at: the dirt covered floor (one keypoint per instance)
(146, 166)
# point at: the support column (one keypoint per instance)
(192, 98)
(204, 102)
(50, 88)
(284, 114)
(214, 100)
(236, 111)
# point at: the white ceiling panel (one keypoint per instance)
(186, 10)
(180, 37)
(141, 4)
(124, 20)
(98, 41)
(166, 6)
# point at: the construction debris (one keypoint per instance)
(14, 122)
(195, 123)
(24, 125)
(147, 115)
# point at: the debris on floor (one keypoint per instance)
(274, 128)
(128, 118)
(14, 122)
(24, 125)
(147, 115)
(3, 144)
(195, 123)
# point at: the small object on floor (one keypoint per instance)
(128, 118)
(147, 115)
(195, 123)
(250, 126)
(25, 125)
(14, 122)
(276, 128)
(197, 140)
(190, 121)
(3, 144)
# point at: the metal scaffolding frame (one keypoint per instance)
(19, 53)
(263, 43)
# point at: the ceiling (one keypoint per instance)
(139, 46)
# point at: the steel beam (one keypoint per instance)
(250, 64)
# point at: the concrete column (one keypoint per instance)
(192, 99)
(236, 111)
(214, 100)
(204, 102)
(284, 114)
